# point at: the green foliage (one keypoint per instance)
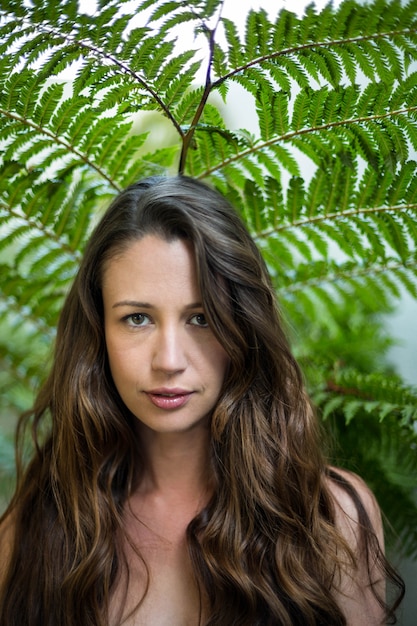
(326, 182)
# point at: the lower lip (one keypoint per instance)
(169, 402)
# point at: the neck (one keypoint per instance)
(176, 463)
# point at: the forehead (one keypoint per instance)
(151, 265)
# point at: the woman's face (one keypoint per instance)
(166, 363)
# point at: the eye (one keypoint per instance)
(137, 319)
(199, 319)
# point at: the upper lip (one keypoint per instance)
(168, 391)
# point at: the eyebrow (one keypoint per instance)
(146, 305)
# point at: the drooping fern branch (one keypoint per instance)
(325, 177)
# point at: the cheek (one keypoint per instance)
(218, 363)
(122, 365)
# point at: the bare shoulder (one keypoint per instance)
(358, 519)
(351, 496)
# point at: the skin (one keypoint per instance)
(169, 369)
(354, 593)
(165, 361)
(167, 345)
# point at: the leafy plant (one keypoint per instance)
(326, 182)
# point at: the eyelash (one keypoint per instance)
(205, 324)
(129, 319)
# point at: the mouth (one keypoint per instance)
(169, 399)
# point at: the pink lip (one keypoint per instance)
(169, 398)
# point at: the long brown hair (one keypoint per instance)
(265, 550)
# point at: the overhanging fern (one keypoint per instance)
(326, 182)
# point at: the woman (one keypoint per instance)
(181, 481)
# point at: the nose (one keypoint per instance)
(169, 353)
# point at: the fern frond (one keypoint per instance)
(235, 54)
(258, 33)
(388, 463)
(325, 177)
(285, 30)
(376, 394)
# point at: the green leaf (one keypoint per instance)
(323, 173)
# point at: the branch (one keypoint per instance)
(50, 234)
(346, 391)
(188, 136)
(333, 216)
(358, 273)
(305, 131)
(44, 131)
(125, 68)
(309, 46)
